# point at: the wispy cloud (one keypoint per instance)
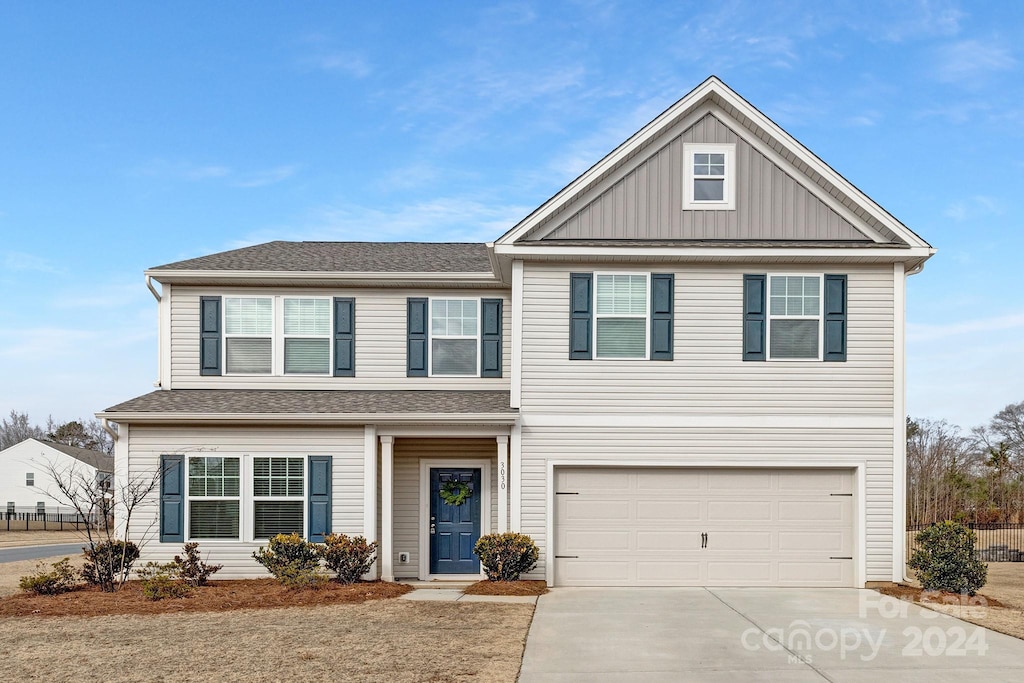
(865, 119)
(20, 261)
(185, 171)
(921, 19)
(923, 332)
(271, 176)
(320, 51)
(968, 61)
(973, 208)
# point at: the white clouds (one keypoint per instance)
(186, 171)
(20, 261)
(270, 176)
(341, 62)
(922, 19)
(968, 61)
(922, 332)
(973, 208)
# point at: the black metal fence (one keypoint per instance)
(48, 521)
(995, 542)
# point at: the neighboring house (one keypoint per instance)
(26, 481)
(685, 368)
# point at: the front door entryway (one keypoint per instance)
(454, 528)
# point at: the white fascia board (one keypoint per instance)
(307, 418)
(568, 252)
(242, 276)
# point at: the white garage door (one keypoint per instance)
(703, 527)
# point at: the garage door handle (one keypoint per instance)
(567, 557)
(840, 558)
(567, 493)
(704, 540)
(841, 494)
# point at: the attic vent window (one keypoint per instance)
(710, 176)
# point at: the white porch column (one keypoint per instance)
(387, 529)
(370, 491)
(516, 479)
(502, 484)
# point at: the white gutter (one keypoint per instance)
(483, 279)
(878, 253)
(331, 418)
(106, 427)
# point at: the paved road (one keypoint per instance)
(756, 634)
(35, 551)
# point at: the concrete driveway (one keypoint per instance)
(757, 634)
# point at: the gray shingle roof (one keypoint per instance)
(346, 257)
(285, 402)
(101, 461)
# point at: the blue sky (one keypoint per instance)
(135, 134)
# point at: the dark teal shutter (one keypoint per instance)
(416, 348)
(209, 335)
(344, 337)
(835, 318)
(662, 296)
(754, 324)
(172, 503)
(490, 338)
(319, 497)
(581, 316)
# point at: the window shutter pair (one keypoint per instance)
(211, 336)
(172, 498)
(581, 316)
(418, 337)
(755, 318)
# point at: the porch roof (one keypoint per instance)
(268, 405)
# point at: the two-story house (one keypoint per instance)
(685, 368)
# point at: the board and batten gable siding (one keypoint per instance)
(380, 342)
(590, 410)
(647, 202)
(407, 453)
(148, 442)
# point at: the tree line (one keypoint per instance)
(975, 476)
(81, 433)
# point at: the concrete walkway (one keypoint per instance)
(448, 595)
(757, 634)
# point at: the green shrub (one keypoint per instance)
(506, 556)
(192, 569)
(292, 560)
(61, 578)
(108, 563)
(945, 559)
(161, 581)
(349, 557)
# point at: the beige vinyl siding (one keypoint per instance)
(646, 202)
(708, 375)
(407, 453)
(746, 446)
(148, 443)
(380, 342)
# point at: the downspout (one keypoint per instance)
(907, 579)
(156, 294)
(106, 427)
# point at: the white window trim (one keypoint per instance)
(246, 498)
(769, 317)
(277, 337)
(728, 202)
(647, 323)
(431, 336)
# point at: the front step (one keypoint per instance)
(439, 585)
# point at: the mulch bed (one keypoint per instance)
(218, 596)
(914, 594)
(507, 588)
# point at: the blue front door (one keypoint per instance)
(454, 529)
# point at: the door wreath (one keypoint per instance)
(455, 493)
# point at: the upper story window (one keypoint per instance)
(709, 176)
(794, 317)
(454, 337)
(30, 479)
(620, 315)
(277, 335)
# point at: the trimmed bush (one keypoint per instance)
(192, 569)
(293, 560)
(506, 556)
(60, 579)
(945, 559)
(161, 581)
(108, 563)
(349, 557)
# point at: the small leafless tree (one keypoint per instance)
(104, 508)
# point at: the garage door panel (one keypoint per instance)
(644, 526)
(666, 510)
(739, 510)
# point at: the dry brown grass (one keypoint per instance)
(10, 572)
(386, 640)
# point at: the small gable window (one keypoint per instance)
(710, 176)
(30, 479)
